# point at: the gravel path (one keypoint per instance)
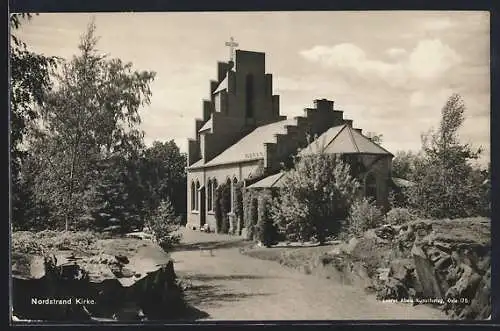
(232, 286)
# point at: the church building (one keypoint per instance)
(242, 135)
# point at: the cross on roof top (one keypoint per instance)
(232, 44)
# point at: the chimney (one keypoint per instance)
(323, 104)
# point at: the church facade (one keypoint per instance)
(242, 135)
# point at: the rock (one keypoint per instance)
(484, 265)
(386, 232)
(383, 274)
(402, 269)
(443, 263)
(465, 287)
(122, 259)
(351, 246)
(427, 277)
(393, 289)
(152, 293)
(434, 254)
(451, 260)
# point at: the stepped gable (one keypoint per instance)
(276, 141)
(251, 146)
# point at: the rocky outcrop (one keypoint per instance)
(446, 263)
(65, 287)
(449, 264)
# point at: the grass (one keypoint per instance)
(39, 243)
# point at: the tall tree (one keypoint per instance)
(164, 172)
(29, 80)
(445, 184)
(404, 163)
(91, 114)
(315, 197)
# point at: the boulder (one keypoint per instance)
(393, 289)
(386, 232)
(426, 274)
(402, 270)
(102, 287)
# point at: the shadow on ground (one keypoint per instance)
(192, 314)
(210, 245)
(215, 296)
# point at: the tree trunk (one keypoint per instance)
(70, 193)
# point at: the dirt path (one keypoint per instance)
(232, 286)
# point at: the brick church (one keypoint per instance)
(242, 136)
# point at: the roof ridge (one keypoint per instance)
(280, 174)
(334, 137)
(352, 138)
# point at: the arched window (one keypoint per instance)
(209, 194)
(193, 196)
(371, 186)
(197, 199)
(249, 95)
(214, 192)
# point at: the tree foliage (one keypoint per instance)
(29, 81)
(404, 164)
(363, 215)
(222, 207)
(446, 184)
(315, 196)
(377, 138)
(89, 116)
(163, 223)
(164, 175)
(266, 230)
(116, 196)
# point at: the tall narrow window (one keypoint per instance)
(209, 194)
(197, 199)
(193, 196)
(214, 192)
(249, 96)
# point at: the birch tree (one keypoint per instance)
(91, 114)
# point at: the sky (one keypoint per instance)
(390, 72)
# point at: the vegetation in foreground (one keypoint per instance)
(79, 161)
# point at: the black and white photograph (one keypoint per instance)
(250, 166)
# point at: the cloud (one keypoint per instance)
(349, 56)
(396, 52)
(431, 58)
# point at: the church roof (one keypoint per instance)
(251, 146)
(269, 181)
(206, 126)
(344, 139)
